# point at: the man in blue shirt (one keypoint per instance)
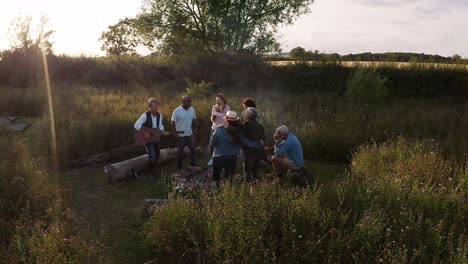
(287, 150)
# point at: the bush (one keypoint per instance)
(199, 90)
(35, 224)
(177, 234)
(423, 195)
(403, 202)
(367, 85)
(238, 225)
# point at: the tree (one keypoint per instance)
(27, 38)
(200, 26)
(456, 58)
(121, 38)
(27, 42)
(298, 53)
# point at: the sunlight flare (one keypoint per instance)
(51, 111)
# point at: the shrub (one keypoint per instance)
(422, 196)
(238, 225)
(176, 233)
(35, 224)
(202, 89)
(367, 85)
(400, 204)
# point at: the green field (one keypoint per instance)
(388, 173)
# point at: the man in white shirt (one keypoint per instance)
(148, 120)
(183, 119)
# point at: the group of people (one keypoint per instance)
(230, 133)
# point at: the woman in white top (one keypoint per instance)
(218, 112)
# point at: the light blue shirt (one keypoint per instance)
(183, 120)
(223, 143)
(292, 147)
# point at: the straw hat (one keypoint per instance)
(152, 100)
(231, 116)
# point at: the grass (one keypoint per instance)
(366, 179)
(399, 204)
(115, 208)
(37, 225)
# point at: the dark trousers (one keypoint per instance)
(183, 142)
(153, 151)
(252, 159)
(228, 163)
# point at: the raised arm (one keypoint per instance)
(282, 148)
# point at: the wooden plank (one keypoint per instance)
(17, 127)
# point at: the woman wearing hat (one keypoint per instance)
(226, 146)
(218, 112)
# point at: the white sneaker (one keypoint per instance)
(210, 162)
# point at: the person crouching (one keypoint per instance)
(288, 152)
(226, 144)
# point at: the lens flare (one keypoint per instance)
(55, 160)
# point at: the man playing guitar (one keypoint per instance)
(149, 128)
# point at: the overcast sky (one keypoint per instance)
(342, 26)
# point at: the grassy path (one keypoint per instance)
(114, 208)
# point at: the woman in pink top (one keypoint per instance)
(218, 112)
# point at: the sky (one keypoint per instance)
(341, 26)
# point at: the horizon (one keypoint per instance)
(333, 26)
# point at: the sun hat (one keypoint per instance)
(152, 100)
(231, 116)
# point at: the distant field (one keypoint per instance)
(376, 64)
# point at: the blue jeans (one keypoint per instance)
(153, 151)
(183, 142)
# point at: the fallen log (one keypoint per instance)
(128, 168)
(98, 160)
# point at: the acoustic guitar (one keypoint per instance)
(146, 135)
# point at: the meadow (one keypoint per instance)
(399, 197)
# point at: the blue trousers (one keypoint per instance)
(154, 152)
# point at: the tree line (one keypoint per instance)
(300, 54)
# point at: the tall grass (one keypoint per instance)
(400, 204)
(91, 120)
(35, 224)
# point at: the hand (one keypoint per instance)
(269, 148)
(276, 136)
